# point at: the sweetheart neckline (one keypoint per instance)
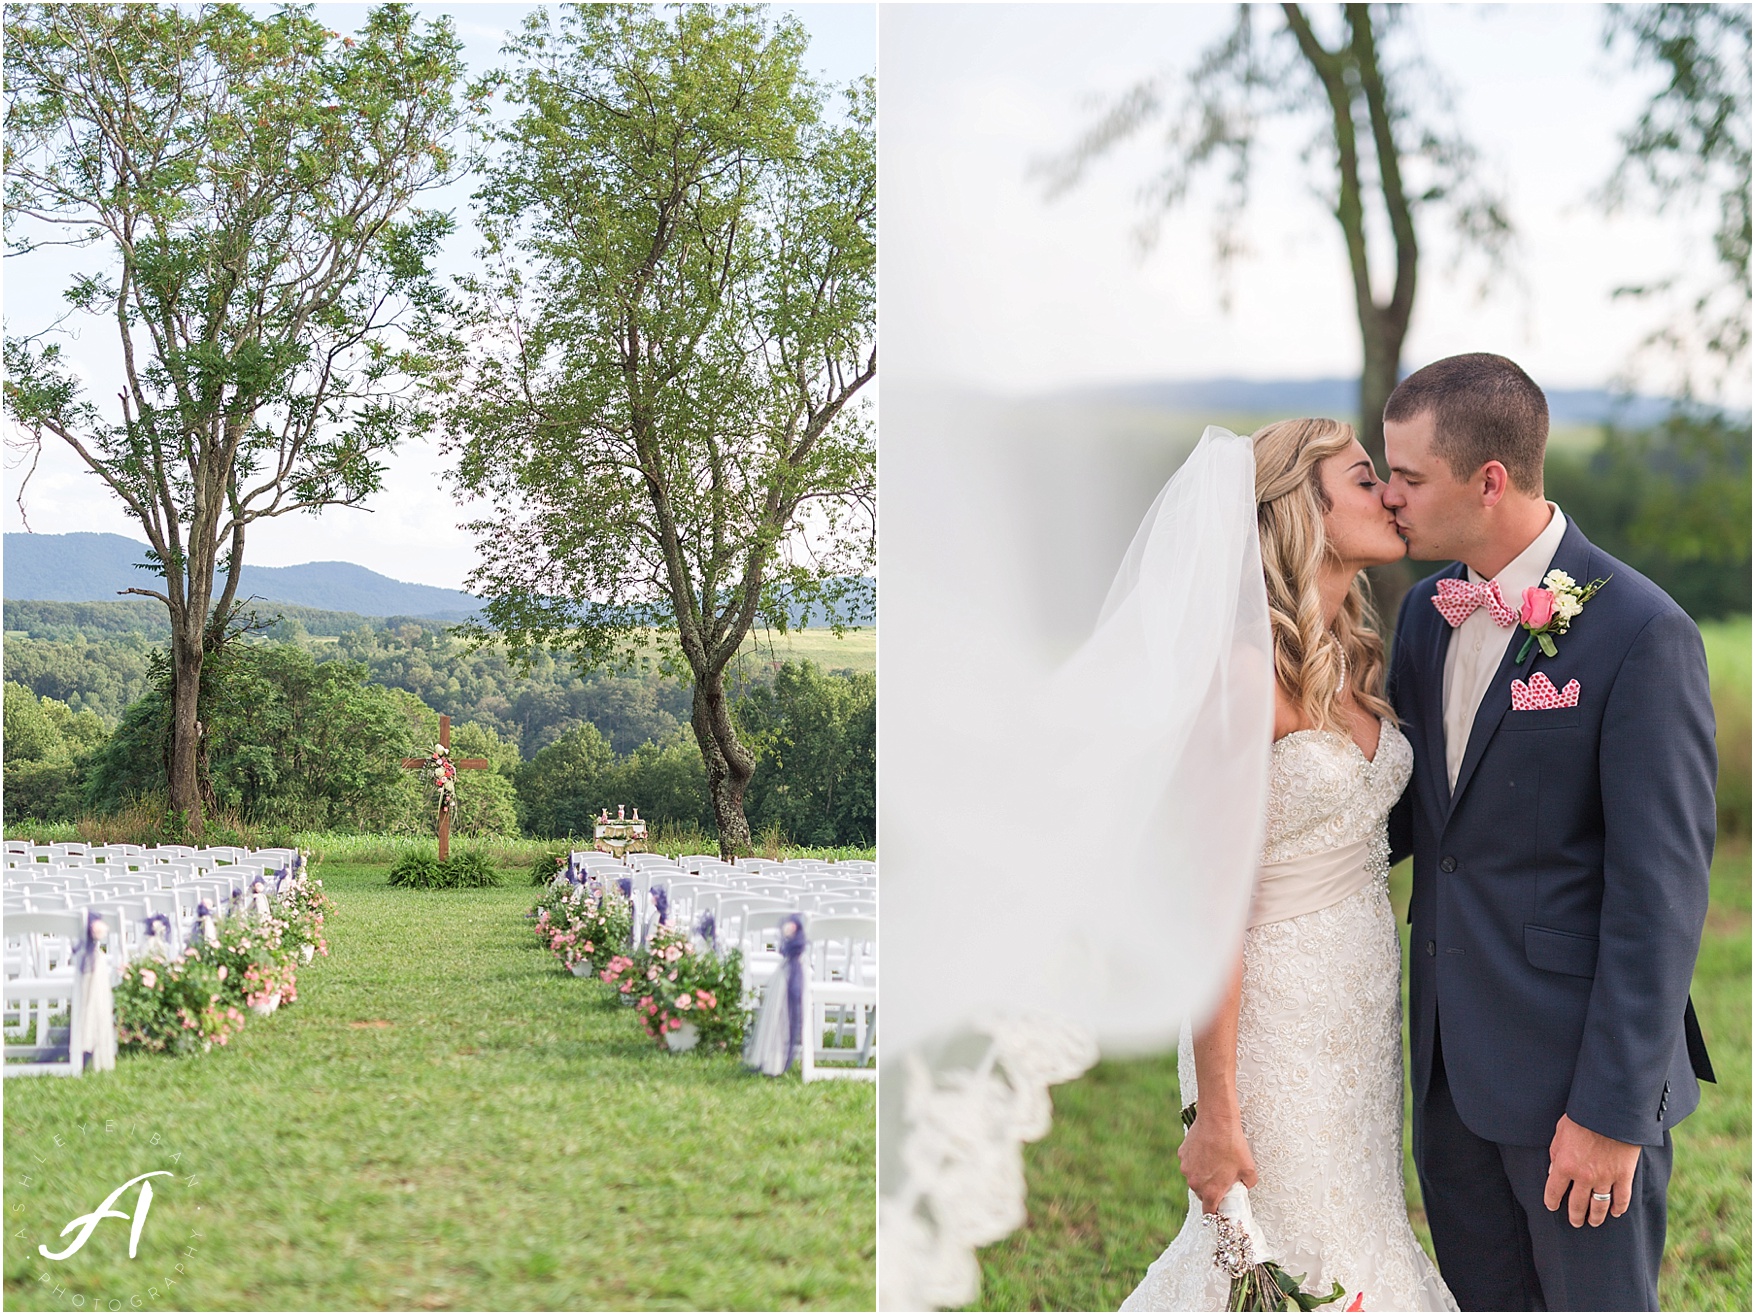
(1382, 722)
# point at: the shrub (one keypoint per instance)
(466, 869)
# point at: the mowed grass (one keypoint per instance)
(445, 1120)
(1106, 1196)
(855, 650)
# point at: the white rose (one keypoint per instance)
(1558, 580)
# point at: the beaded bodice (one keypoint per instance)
(1323, 791)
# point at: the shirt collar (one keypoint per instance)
(1526, 570)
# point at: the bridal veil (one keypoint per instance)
(1069, 838)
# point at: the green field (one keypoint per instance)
(444, 1120)
(855, 649)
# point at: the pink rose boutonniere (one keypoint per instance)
(1548, 609)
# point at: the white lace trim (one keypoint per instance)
(961, 1155)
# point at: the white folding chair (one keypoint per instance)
(840, 994)
(33, 1000)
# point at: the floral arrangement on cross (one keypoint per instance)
(444, 776)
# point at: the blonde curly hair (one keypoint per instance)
(1290, 504)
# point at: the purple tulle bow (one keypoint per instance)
(626, 886)
(202, 910)
(158, 921)
(572, 872)
(85, 955)
(793, 944)
(661, 898)
(707, 929)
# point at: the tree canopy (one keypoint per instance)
(244, 184)
(655, 379)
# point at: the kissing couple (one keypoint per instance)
(1541, 742)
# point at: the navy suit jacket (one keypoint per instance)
(1560, 890)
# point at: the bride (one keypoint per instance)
(1296, 1081)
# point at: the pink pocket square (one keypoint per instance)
(1540, 694)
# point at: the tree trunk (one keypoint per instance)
(729, 764)
(1382, 344)
(187, 654)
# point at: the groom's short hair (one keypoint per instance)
(1484, 408)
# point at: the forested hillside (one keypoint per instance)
(312, 717)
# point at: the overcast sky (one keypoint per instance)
(410, 532)
(986, 282)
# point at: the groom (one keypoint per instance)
(1561, 818)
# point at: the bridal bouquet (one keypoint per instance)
(1257, 1283)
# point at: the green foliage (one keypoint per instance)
(1728, 659)
(48, 749)
(296, 743)
(1672, 502)
(421, 870)
(101, 676)
(669, 181)
(247, 187)
(816, 739)
(46, 729)
(578, 925)
(1690, 147)
(173, 1008)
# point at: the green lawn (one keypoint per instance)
(1105, 1194)
(856, 649)
(444, 1121)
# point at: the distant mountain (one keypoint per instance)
(83, 568)
(78, 568)
(1340, 397)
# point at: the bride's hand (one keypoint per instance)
(1214, 1155)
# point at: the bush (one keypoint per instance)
(1672, 502)
(466, 869)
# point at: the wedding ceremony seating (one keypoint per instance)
(48, 890)
(748, 901)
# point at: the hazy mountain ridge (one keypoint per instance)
(1340, 398)
(91, 567)
(94, 568)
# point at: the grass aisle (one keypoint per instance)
(1106, 1196)
(444, 1120)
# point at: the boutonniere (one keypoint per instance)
(1548, 609)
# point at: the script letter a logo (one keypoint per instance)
(85, 1223)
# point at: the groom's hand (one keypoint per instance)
(1591, 1163)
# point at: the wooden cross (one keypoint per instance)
(477, 764)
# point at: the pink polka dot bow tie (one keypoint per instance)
(1456, 601)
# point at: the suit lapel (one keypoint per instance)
(1432, 701)
(1573, 557)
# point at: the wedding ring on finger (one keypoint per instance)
(1602, 1196)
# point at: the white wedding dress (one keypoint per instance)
(1319, 1069)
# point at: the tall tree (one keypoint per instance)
(1690, 147)
(246, 185)
(1385, 163)
(656, 383)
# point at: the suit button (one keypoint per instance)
(1448, 864)
(1431, 947)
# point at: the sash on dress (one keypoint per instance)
(1310, 882)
